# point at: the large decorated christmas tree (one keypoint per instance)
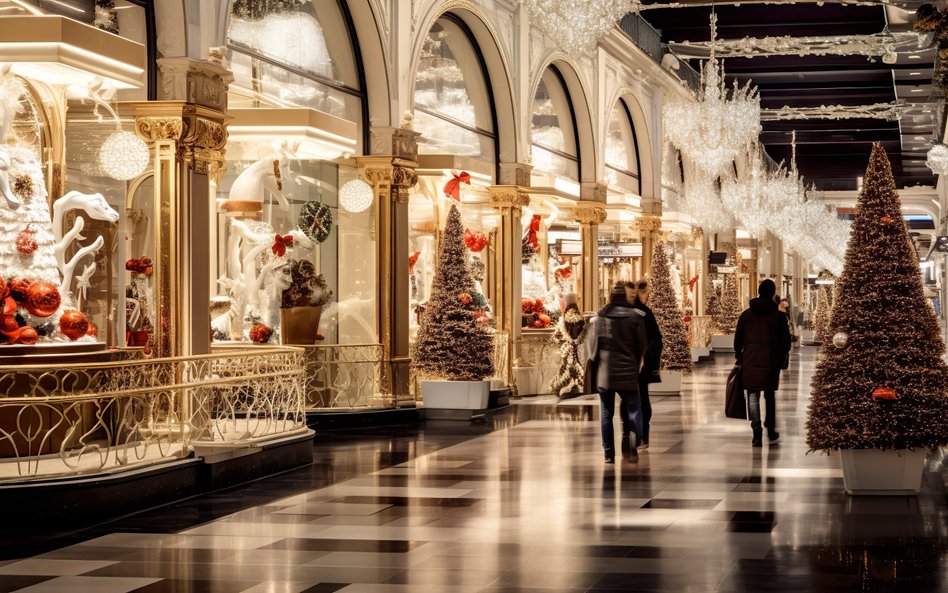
(730, 305)
(676, 355)
(453, 342)
(882, 383)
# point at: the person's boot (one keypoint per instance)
(626, 446)
(758, 438)
(773, 436)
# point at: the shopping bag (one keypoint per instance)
(735, 404)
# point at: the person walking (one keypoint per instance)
(761, 344)
(615, 344)
(637, 294)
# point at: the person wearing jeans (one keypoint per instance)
(631, 411)
(761, 345)
(615, 345)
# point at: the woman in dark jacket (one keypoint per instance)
(615, 344)
(761, 343)
(637, 293)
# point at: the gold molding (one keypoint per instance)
(508, 196)
(589, 213)
(648, 224)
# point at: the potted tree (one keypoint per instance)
(676, 355)
(728, 312)
(302, 303)
(453, 351)
(879, 392)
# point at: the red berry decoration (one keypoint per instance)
(73, 324)
(260, 334)
(26, 240)
(42, 299)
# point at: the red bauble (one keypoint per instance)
(19, 288)
(8, 323)
(26, 241)
(42, 299)
(260, 334)
(24, 335)
(73, 324)
(93, 330)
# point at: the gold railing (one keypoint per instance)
(344, 377)
(699, 331)
(113, 416)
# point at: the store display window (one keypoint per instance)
(551, 258)
(553, 128)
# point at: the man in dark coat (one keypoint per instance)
(637, 294)
(615, 345)
(761, 343)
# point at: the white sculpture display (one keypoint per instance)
(12, 201)
(98, 209)
(258, 180)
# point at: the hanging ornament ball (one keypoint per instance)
(356, 196)
(93, 331)
(42, 299)
(123, 156)
(316, 221)
(73, 324)
(26, 241)
(260, 334)
(19, 287)
(841, 339)
(8, 323)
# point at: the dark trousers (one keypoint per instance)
(753, 412)
(645, 404)
(632, 415)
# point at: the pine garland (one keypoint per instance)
(569, 337)
(451, 344)
(676, 355)
(893, 338)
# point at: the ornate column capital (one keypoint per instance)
(589, 213)
(398, 143)
(515, 174)
(152, 129)
(648, 224)
(508, 196)
(389, 175)
(194, 81)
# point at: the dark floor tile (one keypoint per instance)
(10, 583)
(404, 501)
(678, 503)
(196, 586)
(344, 545)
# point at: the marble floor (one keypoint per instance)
(523, 503)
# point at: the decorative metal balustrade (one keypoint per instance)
(113, 416)
(344, 376)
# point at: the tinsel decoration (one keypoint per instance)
(26, 241)
(316, 221)
(894, 338)
(568, 337)
(676, 355)
(451, 344)
(106, 17)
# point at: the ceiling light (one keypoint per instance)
(914, 57)
(915, 73)
(917, 90)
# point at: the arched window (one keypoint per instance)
(553, 128)
(294, 53)
(453, 107)
(622, 150)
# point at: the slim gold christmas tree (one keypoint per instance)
(452, 344)
(676, 355)
(882, 383)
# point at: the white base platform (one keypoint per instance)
(723, 343)
(882, 473)
(455, 395)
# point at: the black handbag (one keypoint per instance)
(735, 404)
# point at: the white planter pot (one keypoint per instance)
(670, 385)
(695, 355)
(881, 473)
(455, 395)
(723, 343)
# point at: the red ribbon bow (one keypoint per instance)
(532, 231)
(281, 243)
(692, 282)
(452, 189)
(412, 260)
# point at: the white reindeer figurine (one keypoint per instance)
(98, 209)
(257, 180)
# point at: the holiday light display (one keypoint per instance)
(676, 355)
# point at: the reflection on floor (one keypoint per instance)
(525, 504)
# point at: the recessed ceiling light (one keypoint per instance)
(915, 57)
(917, 90)
(915, 73)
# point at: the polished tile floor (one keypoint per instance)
(523, 503)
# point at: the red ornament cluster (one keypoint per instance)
(476, 241)
(141, 265)
(260, 334)
(534, 314)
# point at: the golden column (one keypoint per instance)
(589, 215)
(505, 280)
(187, 135)
(391, 176)
(649, 228)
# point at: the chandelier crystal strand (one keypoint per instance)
(937, 159)
(576, 26)
(720, 125)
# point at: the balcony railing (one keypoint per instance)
(114, 416)
(649, 40)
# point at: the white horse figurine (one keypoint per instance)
(98, 209)
(12, 201)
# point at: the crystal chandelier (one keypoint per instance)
(938, 159)
(701, 200)
(577, 25)
(720, 125)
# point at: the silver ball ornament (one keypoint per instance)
(840, 340)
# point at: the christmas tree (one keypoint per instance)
(712, 309)
(882, 384)
(675, 354)
(452, 341)
(730, 305)
(568, 336)
(824, 310)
